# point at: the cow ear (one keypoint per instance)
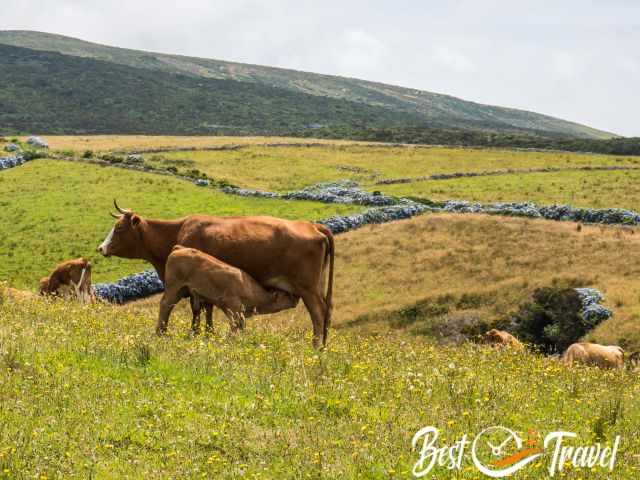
(135, 220)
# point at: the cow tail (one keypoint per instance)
(330, 255)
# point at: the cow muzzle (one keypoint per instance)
(103, 248)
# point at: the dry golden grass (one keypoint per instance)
(102, 143)
(498, 260)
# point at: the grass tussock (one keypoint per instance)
(91, 392)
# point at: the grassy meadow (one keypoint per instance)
(288, 168)
(91, 392)
(55, 210)
(136, 143)
(594, 189)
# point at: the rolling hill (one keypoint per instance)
(105, 89)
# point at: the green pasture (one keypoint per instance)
(56, 210)
(595, 189)
(290, 168)
(91, 392)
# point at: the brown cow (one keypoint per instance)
(72, 277)
(281, 254)
(190, 272)
(502, 338)
(604, 356)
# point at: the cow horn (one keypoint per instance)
(124, 212)
(115, 216)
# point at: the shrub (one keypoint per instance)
(87, 154)
(553, 319)
(107, 157)
(33, 154)
(195, 173)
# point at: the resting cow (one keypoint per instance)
(292, 256)
(72, 277)
(503, 339)
(603, 356)
(190, 272)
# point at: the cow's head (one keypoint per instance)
(125, 238)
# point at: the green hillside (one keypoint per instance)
(54, 93)
(339, 99)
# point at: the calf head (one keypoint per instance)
(44, 286)
(493, 336)
(283, 300)
(125, 238)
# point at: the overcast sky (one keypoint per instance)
(574, 59)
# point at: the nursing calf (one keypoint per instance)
(294, 256)
(192, 273)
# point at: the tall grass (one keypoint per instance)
(83, 401)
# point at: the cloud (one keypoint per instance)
(568, 65)
(360, 53)
(453, 60)
(628, 64)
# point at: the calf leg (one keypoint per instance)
(209, 317)
(169, 300)
(234, 320)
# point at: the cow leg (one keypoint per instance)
(195, 312)
(209, 317)
(317, 309)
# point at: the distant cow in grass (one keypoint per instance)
(192, 273)
(603, 356)
(500, 338)
(70, 278)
